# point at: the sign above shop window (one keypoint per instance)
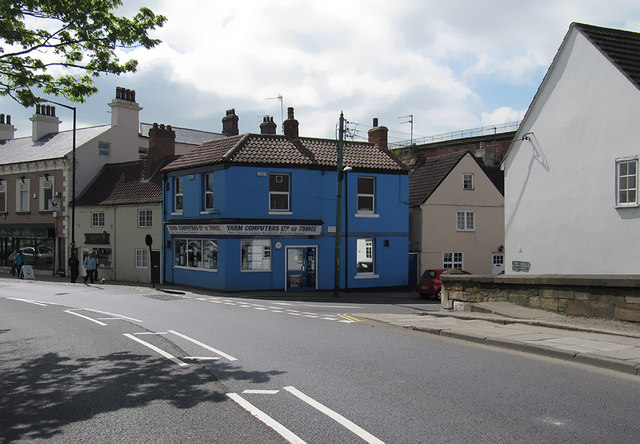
(246, 229)
(97, 238)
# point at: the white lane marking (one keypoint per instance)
(329, 319)
(28, 301)
(266, 419)
(362, 433)
(112, 314)
(347, 322)
(202, 358)
(282, 303)
(205, 346)
(151, 333)
(157, 350)
(259, 308)
(201, 299)
(261, 392)
(311, 316)
(47, 303)
(85, 317)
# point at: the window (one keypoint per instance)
(364, 256)
(97, 219)
(452, 260)
(256, 254)
(3, 196)
(196, 253)
(467, 182)
(145, 218)
(465, 221)
(104, 148)
(22, 195)
(627, 182)
(279, 192)
(366, 194)
(177, 194)
(142, 258)
(46, 193)
(497, 259)
(208, 191)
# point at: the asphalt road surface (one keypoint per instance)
(130, 364)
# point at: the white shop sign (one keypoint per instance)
(245, 229)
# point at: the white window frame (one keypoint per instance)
(3, 193)
(362, 194)
(145, 218)
(468, 181)
(46, 184)
(20, 189)
(178, 192)
(251, 247)
(366, 249)
(287, 193)
(142, 258)
(621, 203)
(187, 242)
(207, 179)
(465, 221)
(97, 219)
(453, 260)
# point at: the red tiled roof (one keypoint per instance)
(263, 149)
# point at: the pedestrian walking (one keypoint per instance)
(12, 262)
(18, 260)
(74, 264)
(91, 265)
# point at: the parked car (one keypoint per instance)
(42, 253)
(430, 284)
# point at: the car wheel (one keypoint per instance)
(439, 295)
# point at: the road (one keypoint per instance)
(113, 363)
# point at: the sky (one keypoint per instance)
(451, 65)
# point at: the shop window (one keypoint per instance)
(256, 254)
(196, 253)
(22, 195)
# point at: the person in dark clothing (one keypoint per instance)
(74, 263)
(18, 259)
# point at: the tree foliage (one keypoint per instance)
(80, 36)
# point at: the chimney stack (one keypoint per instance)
(378, 135)
(162, 143)
(125, 112)
(44, 122)
(6, 129)
(290, 125)
(268, 126)
(230, 123)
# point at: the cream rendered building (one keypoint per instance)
(456, 214)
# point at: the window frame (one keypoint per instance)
(208, 189)
(3, 199)
(364, 195)
(143, 221)
(178, 194)
(142, 258)
(463, 223)
(19, 190)
(454, 262)
(366, 245)
(265, 245)
(44, 202)
(468, 181)
(97, 219)
(280, 193)
(619, 177)
(189, 260)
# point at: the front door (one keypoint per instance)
(301, 268)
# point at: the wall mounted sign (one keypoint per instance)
(96, 238)
(246, 229)
(522, 266)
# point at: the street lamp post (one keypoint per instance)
(339, 173)
(73, 172)
(345, 170)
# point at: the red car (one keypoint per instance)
(430, 284)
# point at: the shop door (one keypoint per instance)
(301, 268)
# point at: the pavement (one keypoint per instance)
(604, 343)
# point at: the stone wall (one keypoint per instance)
(614, 297)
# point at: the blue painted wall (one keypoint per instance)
(243, 193)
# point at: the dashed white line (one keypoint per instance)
(266, 419)
(157, 350)
(205, 346)
(28, 301)
(261, 392)
(362, 433)
(201, 358)
(85, 317)
(112, 314)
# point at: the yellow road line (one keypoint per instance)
(348, 317)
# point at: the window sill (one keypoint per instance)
(366, 276)
(146, 227)
(280, 213)
(255, 271)
(367, 215)
(176, 213)
(465, 231)
(23, 213)
(208, 270)
(209, 212)
(622, 206)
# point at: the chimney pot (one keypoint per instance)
(290, 125)
(378, 135)
(268, 126)
(230, 123)
(375, 122)
(8, 119)
(1, 118)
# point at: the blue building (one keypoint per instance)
(258, 212)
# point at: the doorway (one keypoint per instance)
(302, 268)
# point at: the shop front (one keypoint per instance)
(37, 242)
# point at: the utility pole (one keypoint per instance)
(339, 173)
(410, 117)
(280, 98)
